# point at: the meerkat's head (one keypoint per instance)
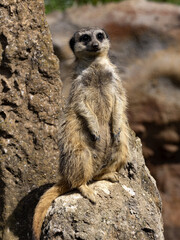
(90, 43)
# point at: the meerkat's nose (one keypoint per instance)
(95, 45)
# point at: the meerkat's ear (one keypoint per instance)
(72, 43)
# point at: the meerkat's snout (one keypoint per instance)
(95, 46)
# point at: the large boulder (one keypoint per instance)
(30, 98)
(130, 209)
(146, 48)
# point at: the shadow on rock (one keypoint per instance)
(20, 222)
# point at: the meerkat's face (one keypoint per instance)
(90, 42)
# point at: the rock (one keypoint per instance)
(146, 48)
(130, 209)
(30, 98)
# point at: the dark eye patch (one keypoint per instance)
(100, 36)
(85, 38)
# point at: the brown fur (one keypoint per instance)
(94, 133)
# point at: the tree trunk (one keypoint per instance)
(30, 98)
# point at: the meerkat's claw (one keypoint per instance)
(111, 176)
(87, 192)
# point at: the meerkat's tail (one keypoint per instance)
(44, 203)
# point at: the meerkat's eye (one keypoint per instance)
(100, 36)
(85, 38)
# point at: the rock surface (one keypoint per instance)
(146, 48)
(130, 209)
(30, 95)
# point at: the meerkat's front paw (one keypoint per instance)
(116, 136)
(95, 136)
(115, 156)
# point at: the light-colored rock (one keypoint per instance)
(130, 209)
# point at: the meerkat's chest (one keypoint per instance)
(100, 88)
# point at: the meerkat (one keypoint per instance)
(94, 132)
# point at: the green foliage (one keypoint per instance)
(51, 5)
(63, 4)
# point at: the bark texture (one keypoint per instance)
(30, 99)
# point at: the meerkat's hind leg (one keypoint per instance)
(87, 192)
(110, 176)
